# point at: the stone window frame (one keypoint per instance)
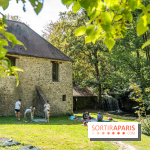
(64, 97)
(12, 60)
(55, 79)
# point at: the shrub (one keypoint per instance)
(145, 122)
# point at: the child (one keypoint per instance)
(85, 123)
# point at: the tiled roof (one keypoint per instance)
(36, 45)
(78, 92)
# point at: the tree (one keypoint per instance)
(5, 65)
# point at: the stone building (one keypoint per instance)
(47, 75)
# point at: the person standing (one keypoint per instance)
(17, 109)
(47, 110)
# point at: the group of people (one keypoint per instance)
(31, 110)
(86, 116)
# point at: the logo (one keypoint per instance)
(114, 131)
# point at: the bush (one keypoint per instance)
(145, 122)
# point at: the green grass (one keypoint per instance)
(59, 134)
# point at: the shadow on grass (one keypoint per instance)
(59, 120)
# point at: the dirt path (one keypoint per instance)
(124, 146)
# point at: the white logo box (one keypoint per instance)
(113, 130)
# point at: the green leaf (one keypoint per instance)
(107, 20)
(89, 4)
(16, 75)
(142, 25)
(4, 19)
(90, 29)
(76, 7)
(87, 39)
(37, 5)
(16, 68)
(94, 37)
(2, 71)
(129, 17)
(67, 2)
(101, 6)
(94, 15)
(118, 17)
(148, 18)
(14, 71)
(4, 3)
(148, 7)
(109, 42)
(146, 44)
(80, 31)
(6, 61)
(2, 52)
(11, 38)
(3, 42)
(20, 43)
(111, 3)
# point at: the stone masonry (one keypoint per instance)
(37, 72)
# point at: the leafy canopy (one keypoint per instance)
(109, 19)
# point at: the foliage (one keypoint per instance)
(109, 19)
(146, 125)
(5, 65)
(144, 104)
(137, 96)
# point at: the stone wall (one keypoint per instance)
(37, 71)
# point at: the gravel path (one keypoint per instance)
(123, 146)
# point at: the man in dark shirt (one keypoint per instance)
(85, 115)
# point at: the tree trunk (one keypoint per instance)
(100, 96)
(98, 79)
(146, 48)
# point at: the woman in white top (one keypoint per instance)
(17, 109)
(47, 110)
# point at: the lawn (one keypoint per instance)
(59, 134)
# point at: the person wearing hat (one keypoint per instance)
(99, 117)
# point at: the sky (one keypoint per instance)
(50, 11)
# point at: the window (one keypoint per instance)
(64, 98)
(12, 60)
(55, 68)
